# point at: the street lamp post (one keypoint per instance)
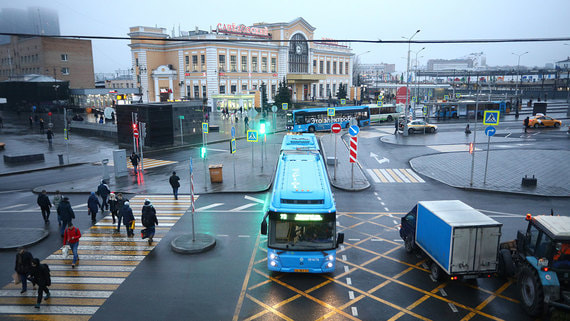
(518, 72)
(408, 83)
(355, 72)
(416, 75)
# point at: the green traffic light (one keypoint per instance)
(262, 128)
(203, 152)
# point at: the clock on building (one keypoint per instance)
(298, 49)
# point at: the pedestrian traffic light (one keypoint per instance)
(470, 148)
(203, 152)
(262, 127)
(135, 126)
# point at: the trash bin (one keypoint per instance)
(216, 173)
(60, 156)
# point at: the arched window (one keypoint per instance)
(298, 54)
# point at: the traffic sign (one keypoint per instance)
(353, 130)
(491, 117)
(136, 132)
(430, 94)
(284, 106)
(380, 103)
(233, 145)
(458, 95)
(330, 112)
(252, 136)
(343, 101)
(233, 132)
(205, 128)
(490, 131)
(353, 149)
(414, 99)
(336, 128)
(425, 110)
(445, 97)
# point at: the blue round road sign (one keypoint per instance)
(233, 131)
(490, 131)
(353, 130)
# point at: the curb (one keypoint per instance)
(348, 189)
(42, 169)
(43, 236)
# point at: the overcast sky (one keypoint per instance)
(369, 19)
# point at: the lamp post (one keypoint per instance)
(416, 74)
(355, 72)
(518, 71)
(408, 83)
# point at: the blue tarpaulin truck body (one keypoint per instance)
(460, 239)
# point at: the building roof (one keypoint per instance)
(32, 78)
(567, 60)
(286, 24)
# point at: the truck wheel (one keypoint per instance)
(532, 295)
(436, 272)
(506, 265)
(409, 244)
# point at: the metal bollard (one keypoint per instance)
(60, 156)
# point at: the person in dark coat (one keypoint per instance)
(526, 122)
(120, 203)
(175, 183)
(23, 267)
(41, 125)
(126, 214)
(93, 206)
(65, 212)
(135, 161)
(103, 191)
(113, 206)
(148, 219)
(49, 135)
(40, 275)
(396, 125)
(45, 204)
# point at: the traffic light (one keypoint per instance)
(203, 152)
(135, 127)
(470, 148)
(262, 127)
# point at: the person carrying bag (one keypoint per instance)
(71, 237)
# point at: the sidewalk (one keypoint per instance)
(344, 175)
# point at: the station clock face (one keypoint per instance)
(298, 49)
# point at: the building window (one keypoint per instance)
(194, 63)
(346, 68)
(233, 63)
(298, 54)
(253, 64)
(233, 89)
(65, 71)
(273, 64)
(222, 89)
(254, 87)
(321, 67)
(202, 63)
(328, 90)
(187, 60)
(243, 87)
(243, 63)
(334, 67)
(204, 92)
(273, 90)
(63, 57)
(340, 68)
(196, 91)
(222, 62)
(263, 64)
(334, 89)
(328, 67)
(321, 92)
(314, 66)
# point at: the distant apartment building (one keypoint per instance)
(34, 20)
(122, 82)
(372, 74)
(449, 64)
(63, 59)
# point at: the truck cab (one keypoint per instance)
(408, 229)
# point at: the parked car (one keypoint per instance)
(541, 120)
(421, 126)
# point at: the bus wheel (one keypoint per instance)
(390, 118)
(312, 129)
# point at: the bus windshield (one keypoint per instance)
(293, 234)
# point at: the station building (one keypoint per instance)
(228, 64)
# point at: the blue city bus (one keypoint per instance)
(300, 222)
(316, 119)
(467, 108)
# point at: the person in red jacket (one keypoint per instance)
(71, 237)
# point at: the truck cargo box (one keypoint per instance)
(460, 239)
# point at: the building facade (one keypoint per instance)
(228, 65)
(63, 59)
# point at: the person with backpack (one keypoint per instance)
(45, 204)
(71, 237)
(103, 191)
(23, 267)
(149, 220)
(126, 214)
(93, 206)
(113, 206)
(175, 183)
(65, 212)
(56, 200)
(40, 275)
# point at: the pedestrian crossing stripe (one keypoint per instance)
(148, 163)
(394, 175)
(106, 260)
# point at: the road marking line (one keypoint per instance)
(416, 176)
(410, 177)
(375, 193)
(424, 265)
(376, 240)
(49, 309)
(394, 175)
(395, 222)
(222, 235)
(247, 197)
(242, 207)
(243, 236)
(386, 209)
(246, 280)
(344, 257)
(208, 207)
(354, 311)
(354, 240)
(452, 307)
(12, 206)
(442, 291)
(79, 205)
(382, 203)
(346, 269)
(348, 281)
(403, 177)
(380, 175)
(351, 295)
(374, 177)
(386, 175)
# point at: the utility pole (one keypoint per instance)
(408, 83)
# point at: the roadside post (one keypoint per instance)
(353, 131)
(252, 137)
(181, 130)
(491, 118)
(134, 121)
(141, 143)
(330, 114)
(335, 129)
(192, 199)
(474, 132)
(66, 132)
(205, 130)
(233, 150)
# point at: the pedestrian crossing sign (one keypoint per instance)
(205, 128)
(457, 95)
(284, 106)
(380, 103)
(343, 101)
(414, 99)
(491, 117)
(445, 97)
(252, 136)
(330, 112)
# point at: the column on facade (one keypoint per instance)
(156, 89)
(171, 87)
(212, 82)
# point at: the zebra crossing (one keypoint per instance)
(148, 163)
(394, 175)
(106, 259)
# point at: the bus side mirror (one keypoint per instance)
(339, 239)
(264, 227)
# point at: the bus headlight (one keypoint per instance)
(273, 263)
(330, 257)
(329, 265)
(272, 256)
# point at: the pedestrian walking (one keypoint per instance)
(113, 206)
(120, 204)
(526, 122)
(56, 200)
(467, 130)
(40, 275)
(93, 206)
(71, 237)
(23, 266)
(103, 191)
(41, 125)
(45, 204)
(246, 123)
(135, 161)
(49, 135)
(149, 220)
(101, 120)
(31, 120)
(396, 124)
(66, 213)
(128, 218)
(175, 183)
